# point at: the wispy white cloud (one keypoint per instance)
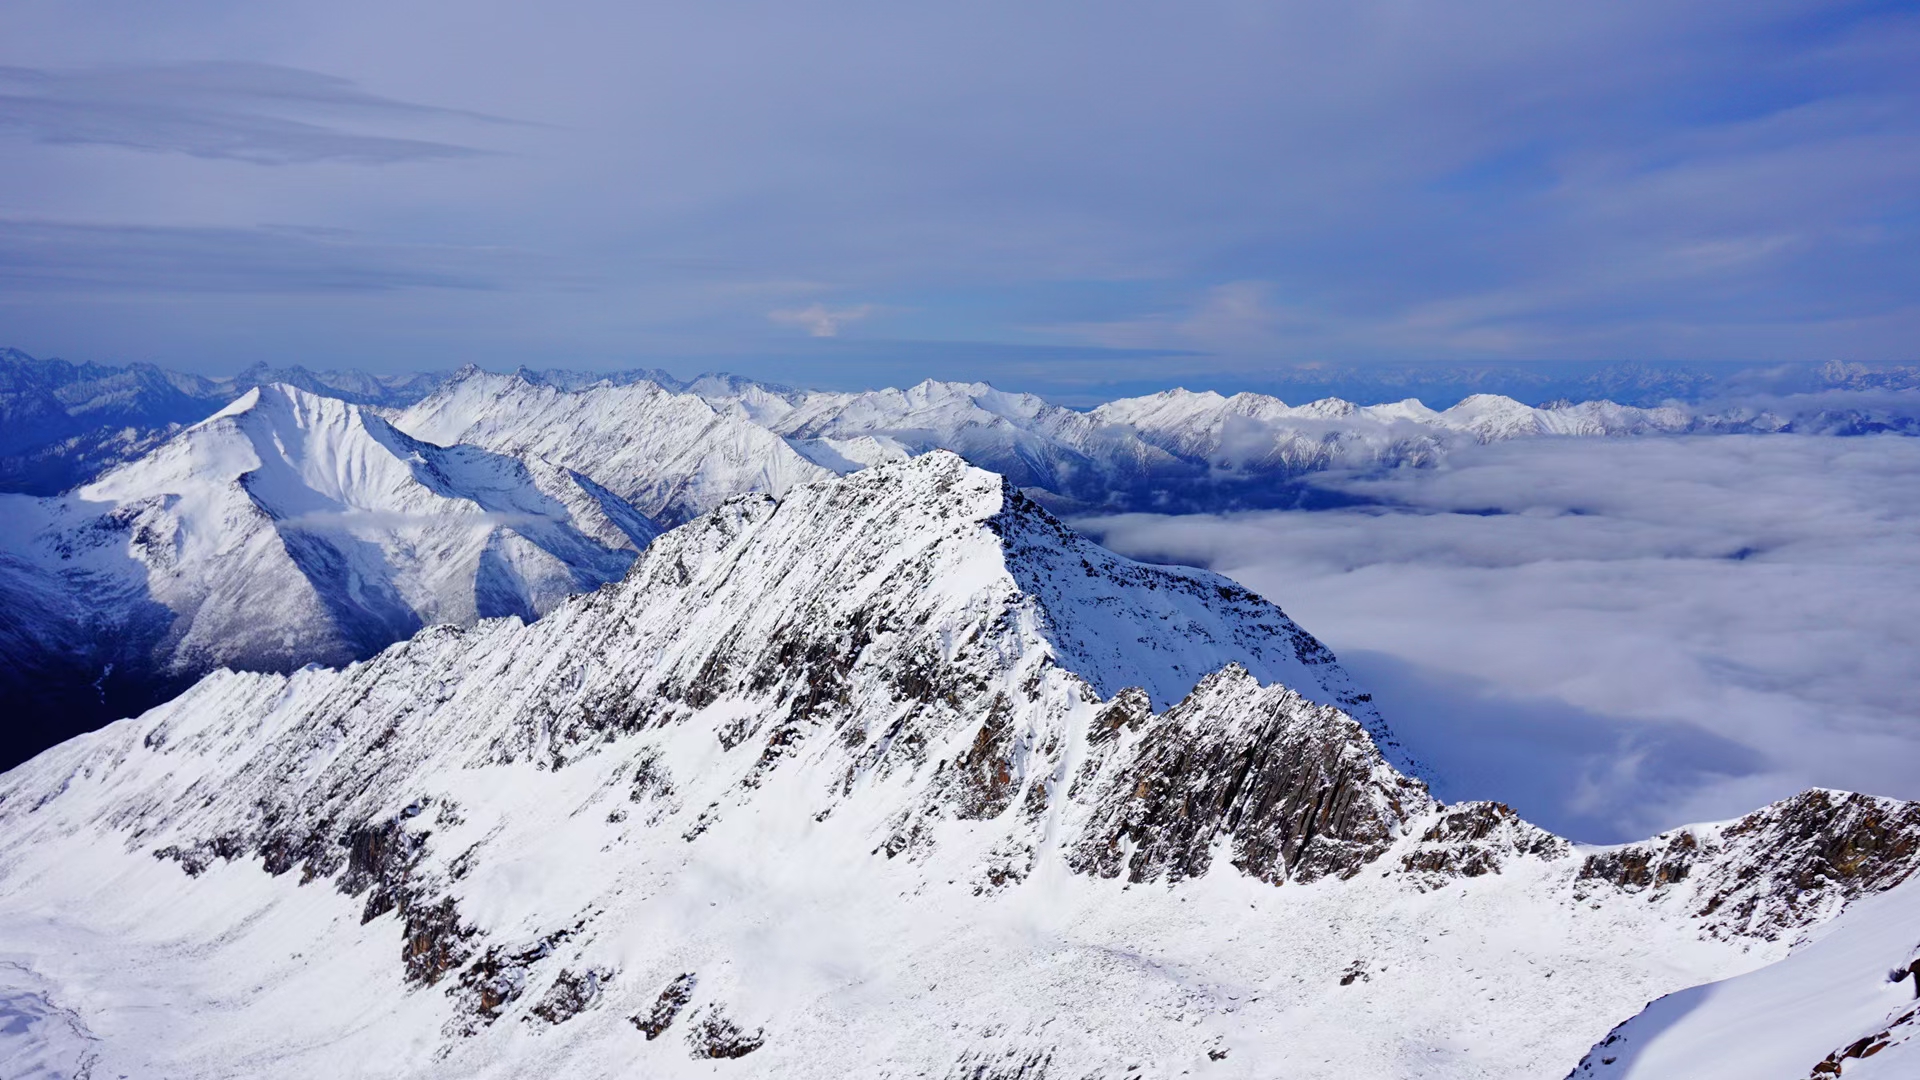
(38, 257)
(259, 113)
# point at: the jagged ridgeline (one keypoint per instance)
(895, 775)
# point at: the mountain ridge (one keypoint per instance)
(289, 529)
(629, 452)
(823, 784)
(1209, 453)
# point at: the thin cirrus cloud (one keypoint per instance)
(1614, 636)
(258, 113)
(41, 257)
(1227, 182)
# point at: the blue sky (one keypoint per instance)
(1044, 195)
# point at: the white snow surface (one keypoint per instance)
(291, 528)
(855, 760)
(1830, 996)
(672, 455)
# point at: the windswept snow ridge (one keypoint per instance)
(890, 776)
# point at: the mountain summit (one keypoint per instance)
(286, 529)
(894, 775)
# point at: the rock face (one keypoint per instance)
(1780, 868)
(915, 779)
(1296, 789)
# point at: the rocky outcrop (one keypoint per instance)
(1298, 789)
(1477, 838)
(666, 1007)
(572, 992)
(716, 1036)
(1785, 866)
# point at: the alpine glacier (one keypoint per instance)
(894, 775)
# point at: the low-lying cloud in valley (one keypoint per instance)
(1614, 636)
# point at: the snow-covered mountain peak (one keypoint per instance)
(298, 441)
(1166, 408)
(292, 528)
(246, 402)
(968, 537)
(673, 455)
(861, 779)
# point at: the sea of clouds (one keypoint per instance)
(1613, 636)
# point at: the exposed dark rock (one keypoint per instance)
(1478, 838)
(1008, 863)
(1005, 1065)
(1645, 865)
(1299, 788)
(499, 977)
(571, 992)
(715, 1036)
(983, 781)
(380, 859)
(1780, 868)
(667, 1006)
(435, 938)
(1129, 710)
(910, 837)
(193, 861)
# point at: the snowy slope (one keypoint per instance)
(1019, 436)
(670, 454)
(1827, 1010)
(853, 783)
(291, 529)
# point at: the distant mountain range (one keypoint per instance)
(289, 517)
(63, 424)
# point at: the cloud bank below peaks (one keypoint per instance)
(1615, 636)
